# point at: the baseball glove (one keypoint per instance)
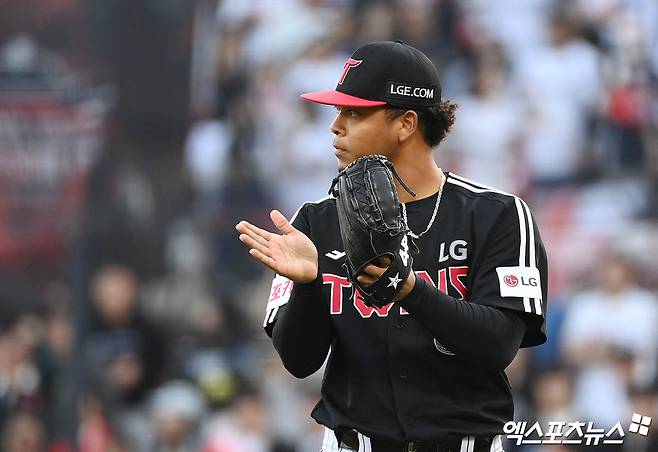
(372, 225)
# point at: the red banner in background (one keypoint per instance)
(47, 147)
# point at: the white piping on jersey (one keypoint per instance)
(533, 260)
(525, 226)
(308, 202)
(364, 443)
(522, 228)
(468, 444)
(476, 186)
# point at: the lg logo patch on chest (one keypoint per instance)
(522, 282)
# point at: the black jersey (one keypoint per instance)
(386, 375)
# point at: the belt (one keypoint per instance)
(349, 439)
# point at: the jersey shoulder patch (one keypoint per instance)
(279, 295)
(519, 282)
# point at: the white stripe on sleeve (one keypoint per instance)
(531, 245)
(522, 245)
(464, 447)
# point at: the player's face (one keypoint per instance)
(362, 131)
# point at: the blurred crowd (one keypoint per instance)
(142, 329)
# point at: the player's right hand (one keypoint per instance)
(290, 254)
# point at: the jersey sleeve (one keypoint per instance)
(281, 288)
(512, 272)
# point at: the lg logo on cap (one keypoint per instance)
(513, 281)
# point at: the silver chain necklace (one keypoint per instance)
(436, 209)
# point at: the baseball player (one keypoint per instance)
(426, 371)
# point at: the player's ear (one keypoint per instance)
(407, 125)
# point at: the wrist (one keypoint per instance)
(310, 281)
(307, 274)
(407, 287)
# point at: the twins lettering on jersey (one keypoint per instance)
(454, 277)
(451, 277)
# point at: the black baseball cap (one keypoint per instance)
(384, 73)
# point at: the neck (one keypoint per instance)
(421, 174)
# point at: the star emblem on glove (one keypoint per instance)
(394, 280)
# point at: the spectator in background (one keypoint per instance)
(124, 347)
(95, 431)
(520, 25)
(375, 21)
(416, 21)
(302, 166)
(24, 433)
(611, 337)
(25, 369)
(176, 411)
(625, 35)
(182, 301)
(242, 428)
(294, 145)
(211, 332)
(561, 85)
(286, 406)
(124, 353)
(483, 143)
(552, 396)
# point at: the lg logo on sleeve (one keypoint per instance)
(513, 281)
(519, 282)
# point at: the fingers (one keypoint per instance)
(372, 272)
(266, 260)
(385, 261)
(255, 245)
(365, 279)
(245, 227)
(281, 223)
(257, 240)
(252, 234)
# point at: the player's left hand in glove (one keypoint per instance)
(372, 228)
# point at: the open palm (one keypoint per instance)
(290, 254)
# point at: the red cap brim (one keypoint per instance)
(333, 97)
